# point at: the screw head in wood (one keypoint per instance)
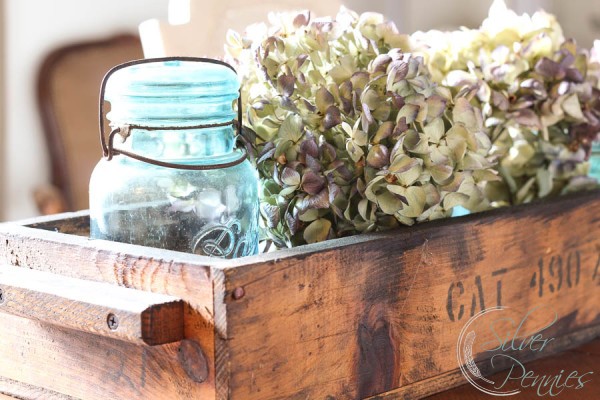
(2, 296)
(112, 321)
(238, 293)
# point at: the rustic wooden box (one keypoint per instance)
(372, 316)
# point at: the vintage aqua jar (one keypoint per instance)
(171, 176)
(595, 161)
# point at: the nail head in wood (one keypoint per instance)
(238, 293)
(192, 359)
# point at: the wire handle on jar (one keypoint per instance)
(108, 149)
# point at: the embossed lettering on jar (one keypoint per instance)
(162, 109)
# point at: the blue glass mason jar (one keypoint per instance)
(595, 161)
(171, 176)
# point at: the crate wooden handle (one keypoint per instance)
(99, 308)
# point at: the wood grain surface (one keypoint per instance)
(73, 223)
(87, 366)
(455, 378)
(351, 318)
(582, 358)
(19, 390)
(99, 308)
(367, 315)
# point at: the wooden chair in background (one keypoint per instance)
(68, 89)
(69, 81)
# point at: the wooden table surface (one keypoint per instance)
(582, 359)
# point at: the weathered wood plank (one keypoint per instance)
(17, 390)
(348, 319)
(88, 366)
(366, 315)
(583, 358)
(73, 223)
(99, 308)
(452, 379)
(176, 274)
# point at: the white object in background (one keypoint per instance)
(198, 27)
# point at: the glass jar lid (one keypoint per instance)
(172, 93)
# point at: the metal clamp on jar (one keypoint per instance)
(170, 176)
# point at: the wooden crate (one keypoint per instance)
(371, 316)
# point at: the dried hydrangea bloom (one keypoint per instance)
(350, 134)
(540, 107)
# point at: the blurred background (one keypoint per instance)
(33, 29)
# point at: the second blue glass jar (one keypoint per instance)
(189, 190)
(595, 161)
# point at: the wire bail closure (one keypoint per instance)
(108, 149)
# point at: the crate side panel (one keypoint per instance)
(22, 391)
(74, 223)
(358, 320)
(86, 366)
(455, 378)
(175, 274)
